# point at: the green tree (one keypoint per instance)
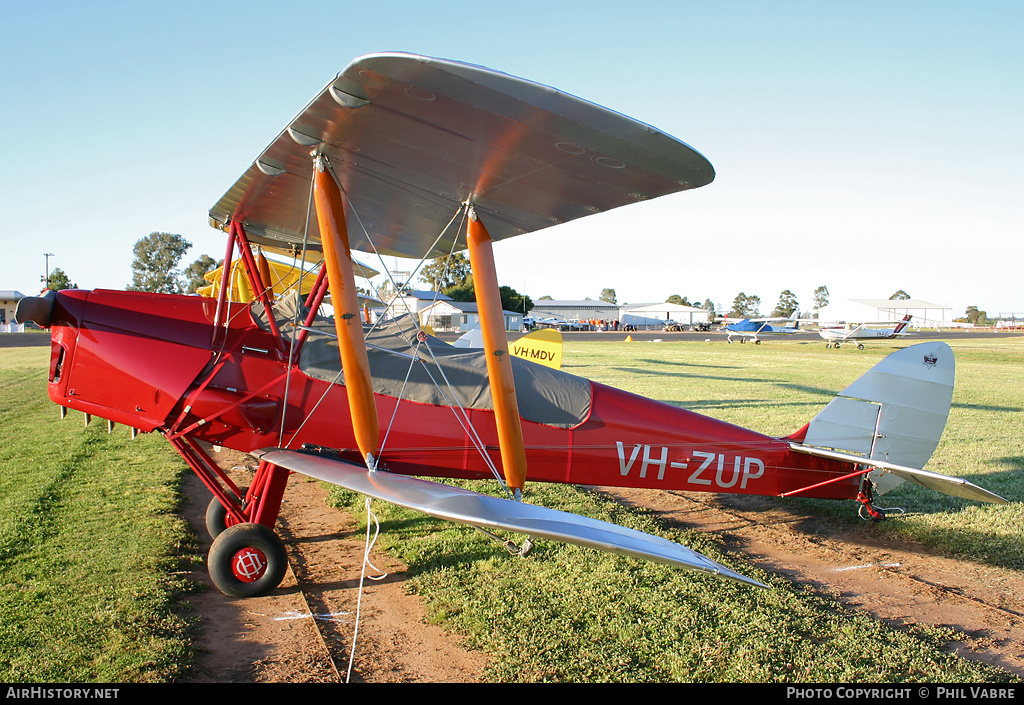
(608, 295)
(787, 304)
(511, 300)
(744, 306)
(463, 291)
(820, 298)
(976, 316)
(156, 258)
(899, 296)
(59, 281)
(193, 276)
(445, 272)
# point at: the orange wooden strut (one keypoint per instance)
(268, 283)
(330, 214)
(499, 363)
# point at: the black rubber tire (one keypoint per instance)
(226, 550)
(217, 515)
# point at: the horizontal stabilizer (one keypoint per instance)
(484, 511)
(956, 486)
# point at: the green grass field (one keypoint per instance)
(90, 545)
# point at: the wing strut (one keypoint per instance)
(330, 214)
(499, 364)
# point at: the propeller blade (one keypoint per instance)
(37, 309)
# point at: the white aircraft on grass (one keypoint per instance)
(862, 331)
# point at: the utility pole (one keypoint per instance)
(46, 279)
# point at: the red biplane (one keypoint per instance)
(412, 156)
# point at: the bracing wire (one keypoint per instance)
(295, 313)
(461, 416)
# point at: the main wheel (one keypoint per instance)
(217, 516)
(247, 560)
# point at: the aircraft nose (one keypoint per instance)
(37, 309)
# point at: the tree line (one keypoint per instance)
(453, 277)
(157, 256)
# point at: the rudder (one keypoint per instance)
(895, 412)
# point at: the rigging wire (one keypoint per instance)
(295, 313)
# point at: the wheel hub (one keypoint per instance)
(249, 564)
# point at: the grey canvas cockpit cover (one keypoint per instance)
(545, 395)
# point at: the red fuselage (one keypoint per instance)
(157, 363)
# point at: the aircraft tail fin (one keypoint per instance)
(542, 346)
(894, 414)
(902, 325)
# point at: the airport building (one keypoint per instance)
(8, 304)
(643, 316)
(461, 316)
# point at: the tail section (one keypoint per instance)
(896, 412)
(542, 346)
(892, 418)
(902, 326)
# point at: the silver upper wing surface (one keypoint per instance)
(411, 138)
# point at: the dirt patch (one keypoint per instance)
(274, 638)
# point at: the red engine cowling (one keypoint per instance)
(127, 356)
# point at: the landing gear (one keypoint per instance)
(217, 517)
(869, 511)
(860, 346)
(247, 560)
(866, 497)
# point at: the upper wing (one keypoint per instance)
(411, 138)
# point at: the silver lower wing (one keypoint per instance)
(484, 511)
(946, 484)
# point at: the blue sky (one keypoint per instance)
(868, 146)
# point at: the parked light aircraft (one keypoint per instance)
(864, 331)
(752, 328)
(406, 155)
(530, 323)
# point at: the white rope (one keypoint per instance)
(362, 576)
